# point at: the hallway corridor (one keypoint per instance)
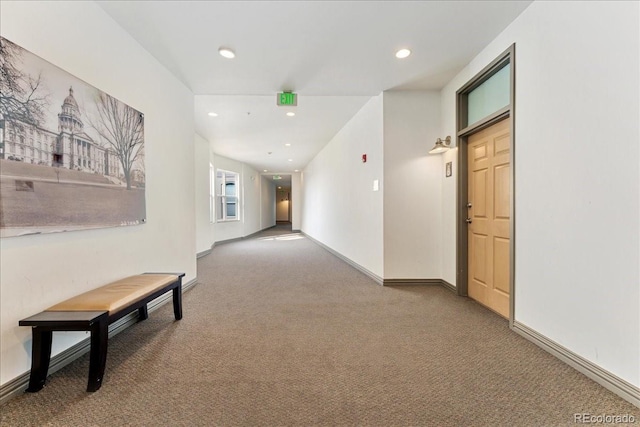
(279, 332)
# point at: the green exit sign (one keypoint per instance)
(287, 98)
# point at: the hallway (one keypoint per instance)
(280, 332)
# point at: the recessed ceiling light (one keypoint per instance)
(227, 53)
(291, 114)
(287, 145)
(212, 114)
(291, 160)
(279, 188)
(403, 53)
(265, 170)
(296, 170)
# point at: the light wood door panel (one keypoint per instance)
(489, 174)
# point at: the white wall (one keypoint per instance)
(577, 204)
(268, 203)
(412, 195)
(39, 271)
(204, 227)
(296, 201)
(448, 205)
(339, 207)
(251, 200)
(250, 203)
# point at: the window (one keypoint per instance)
(227, 195)
(490, 96)
(212, 193)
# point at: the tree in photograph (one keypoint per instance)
(138, 170)
(122, 128)
(21, 96)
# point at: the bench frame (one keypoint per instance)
(97, 323)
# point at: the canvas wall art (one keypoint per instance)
(71, 156)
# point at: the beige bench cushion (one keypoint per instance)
(116, 295)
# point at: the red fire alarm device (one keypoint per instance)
(364, 158)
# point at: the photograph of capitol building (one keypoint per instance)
(71, 156)
(70, 147)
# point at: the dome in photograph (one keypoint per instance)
(69, 118)
(70, 100)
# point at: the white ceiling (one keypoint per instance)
(334, 54)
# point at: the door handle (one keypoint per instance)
(469, 205)
(468, 220)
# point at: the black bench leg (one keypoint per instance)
(143, 313)
(98, 356)
(40, 357)
(177, 301)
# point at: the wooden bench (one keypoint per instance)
(94, 311)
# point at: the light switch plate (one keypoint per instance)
(376, 185)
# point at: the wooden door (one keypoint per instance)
(489, 216)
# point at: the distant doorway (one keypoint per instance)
(283, 205)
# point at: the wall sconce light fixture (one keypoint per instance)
(441, 146)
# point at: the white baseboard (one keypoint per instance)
(412, 282)
(606, 379)
(205, 252)
(353, 264)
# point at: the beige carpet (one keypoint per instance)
(279, 332)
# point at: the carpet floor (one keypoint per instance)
(279, 332)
